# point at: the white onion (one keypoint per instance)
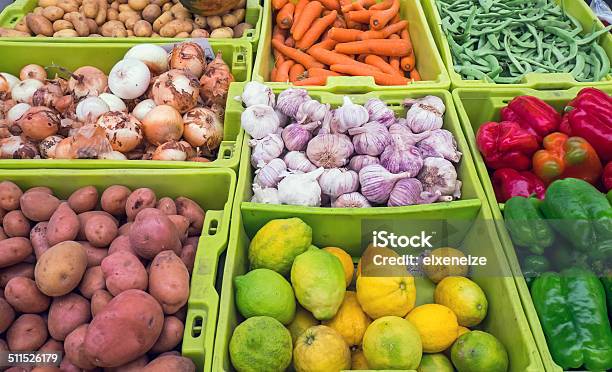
(24, 90)
(11, 79)
(114, 103)
(122, 130)
(129, 78)
(178, 89)
(142, 109)
(113, 155)
(16, 112)
(89, 109)
(154, 56)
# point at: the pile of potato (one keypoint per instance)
(126, 18)
(103, 280)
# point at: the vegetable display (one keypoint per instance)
(353, 156)
(502, 42)
(133, 18)
(152, 105)
(312, 40)
(111, 284)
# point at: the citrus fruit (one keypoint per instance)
(321, 349)
(437, 326)
(260, 343)
(302, 321)
(346, 260)
(479, 351)
(371, 259)
(383, 296)
(464, 298)
(424, 290)
(277, 243)
(462, 330)
(438, 269)
(435, 363)
(265, 292)
(392, 342)
(358, 360)
(350, 321)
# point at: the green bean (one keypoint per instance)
(470, 71)
(594, 36)
(514, 61)
(600, 53)
(580, 65)
(566, 37)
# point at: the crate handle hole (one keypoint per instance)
(14, 20)
(196, 328)
(227, 154)
(212, 229)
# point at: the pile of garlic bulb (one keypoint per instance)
(307, 153)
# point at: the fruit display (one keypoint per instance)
(353, 156)
(133, 18)
(153, 105)
(104, 265)
(302, 309)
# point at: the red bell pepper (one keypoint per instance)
(564, 157)
(532, 114)
(506, 145)
(508, 183)
(589, 116)
(607, 176)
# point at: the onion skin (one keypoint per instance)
(189, 57)
(5, 88)
(24, 90)
(147, 53)
(48, 94)
(124, 131)
(162, 124)
(165, 90)
(215, 82)
(48, 145)
(203, 128)
(16, 147)
(172, 151)
(33, 72)
(38, 123)
(62, 149)
(87, 81)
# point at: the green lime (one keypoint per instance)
(479, 351)
(424, 290)
(435, 363)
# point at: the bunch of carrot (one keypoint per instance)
(314, 39)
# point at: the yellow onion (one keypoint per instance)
(162, 124)
(203, 128)
(62, 149)
(33, 71)
(24, 90)
(173, 151)
(113, 155)
(38, 123)
(177, 88)
(48, 94)
(123, 130)
(87, 81)
(189, 57)
(15, 147)
(48, 145)
(89, 142)
(5, 87)
(215, 82)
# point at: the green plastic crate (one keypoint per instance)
(476, 107)
(577, 8)
(341, 227)
(213, 189)
(429, 62)
(14, 12)
(104, 56)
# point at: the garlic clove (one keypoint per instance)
(337, 181)
(350, 115)
(266, 195)
(298, 161)
(256, 93)
(301, 189)
(269, 175)
(266, 149)
(351, 200)
(259, 121)
(289, 101)
(377, 182)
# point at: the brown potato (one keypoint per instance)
(102, 12)
(60, 269)
(52, 346)
(169, 281)
(38, 206)
(125, 228)
(134, 366)
(94, 255)
(93, 280)
(188, 254)
(84, 199)
(38, 238)
(113, 28)
(53, 13)
(68, 5)
(79, 22)
(199, 33)
(7, 32)
(134, 317)
(75, 348)
(171, 336)
(190, 209)
(21, 25)
(230, 20)
(123, 271)
(14, 250)
(63, 225)
(21, 269)
(9, 195)
(138, 4)
(61, 25)
(239, 14)
(27, 333)
(138, 200)
(39, 25)
(142, 28)
(100, 298)
(241, 28)
(121, 243)
(173, 363)
(93, 26)
(90, 10)
(66, 33)
(174, 27)
(84, 218)
(151, 12)
(222, 33)
(153, 232)
(7, 315)
(24, 296)
(16, 224)
(163, 19)
(100, 231)
(66, 314)
(181, 223)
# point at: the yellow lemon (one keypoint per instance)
(321, 349)
(383, 296)
(464, 298)
(358, 360)
(302, 321)
(346, 260)
(373, 255)
(441, 264)
(350, 321)
(462, 330)
(392, 342)
(437, 326)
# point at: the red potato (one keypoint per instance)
(75, 348)
(125, 228)
(44, 189)
(166, 205)
(38, 206)
(169, 281)
(170, 363)
(46, 369)
(134, 317)
(134, 366)
(99, 299)
(153, 232)
(181, 223)
(66, 314)
(188, 255)
(84, 218)
(93, 280)
(3, 234)
(113, 200)
(121, 243)
(123, 271)
(9, 195)
(138, 200)
(7, 315)
(84, 199)
(60, 269)
(67, 366)
(25, 297)
(21, 269)
(190, 209)
(63, 225)
(171, 335)
(100, 231)
(17, 369)
(27, 333)
(15, 224)
(52, 346)
(14, 250)
(94, 255)
(38, 238)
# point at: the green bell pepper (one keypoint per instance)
(526, 224)
(606, 280)
(572, 310)
(562, 255)
(533, 266)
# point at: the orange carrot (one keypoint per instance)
(299, 8)
(331, 4)
(290, 42)
(380, 18)
(282, 73)
(284, 18)
(278, 4)
(358, 5)
(382, 47)
(358, 16)
(385, 32)
(396, 18)
(409, 62)
(339, 22)
(344, 35)
(295, 72)
(414, 75)
(379, 77)
(362, 71)
(395, 61)
(382, 5)
(312, 72)
(278, 34)
(328, 44)
(380, 63)
(311, 12)
(298, 56)
(329, 58)
(315, 80)
(315, 31)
